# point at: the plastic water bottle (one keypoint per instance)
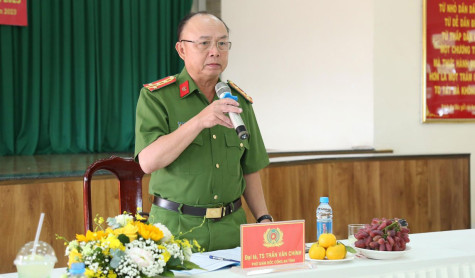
(77, 270)
(324, 217)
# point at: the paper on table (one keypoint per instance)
(204, 261)
(231, 254)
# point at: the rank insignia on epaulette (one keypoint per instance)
(246, 96)
(160, 83)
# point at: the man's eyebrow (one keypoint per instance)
(210, 37)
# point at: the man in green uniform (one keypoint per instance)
(184, 137)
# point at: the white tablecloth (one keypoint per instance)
(448, 254)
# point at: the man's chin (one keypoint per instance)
(213, 72)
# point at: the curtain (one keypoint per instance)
(70, 80)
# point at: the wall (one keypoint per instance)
(390, 87)
(291, 57)
(398, 88)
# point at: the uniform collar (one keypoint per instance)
(186, 83)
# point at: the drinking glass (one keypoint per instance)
(36, 262)
(352, 230)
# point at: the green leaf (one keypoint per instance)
(177, 267)
(191, 265)
(124, 239)
(174, 262)
(187, 265)
(167, 273)
(350, 249)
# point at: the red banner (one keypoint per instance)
(449, 63)
(273, 243)
(13, 12)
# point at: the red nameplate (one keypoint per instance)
(273, 243)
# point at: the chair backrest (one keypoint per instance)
(130, 177)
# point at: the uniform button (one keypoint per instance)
(217, 165)
(241, 145)
(215, 197)
(214, 136)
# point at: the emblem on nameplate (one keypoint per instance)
(273, 238)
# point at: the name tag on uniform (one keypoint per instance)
(273, 243)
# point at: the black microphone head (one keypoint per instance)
(221, 88)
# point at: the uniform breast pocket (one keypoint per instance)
(235, 149)
(190, 160)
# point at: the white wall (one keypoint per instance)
(364, 54)
(308, 66)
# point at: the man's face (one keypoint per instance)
(203, 65)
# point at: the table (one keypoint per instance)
(448, 254)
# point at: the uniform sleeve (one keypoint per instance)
(151, 120)
(255, 157)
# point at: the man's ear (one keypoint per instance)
(180, 49)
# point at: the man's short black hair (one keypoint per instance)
(184, 20)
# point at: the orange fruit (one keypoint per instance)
(316, 252)
(336, 252)
(327, 240)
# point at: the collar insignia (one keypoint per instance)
(184, 89)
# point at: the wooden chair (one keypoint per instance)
(130, 177)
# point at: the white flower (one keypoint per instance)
(175, 251)
(71, 246)
(123, 219)
(141, 257)
(187, 253)
(167, 235)
(88, 249)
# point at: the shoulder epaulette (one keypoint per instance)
(160, 83)
(235, 87)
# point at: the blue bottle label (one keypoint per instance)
(323, 228)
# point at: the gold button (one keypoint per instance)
(241, 145)
(216, 197)
(214, 136)
(217, 165)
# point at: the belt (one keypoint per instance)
(214, 213)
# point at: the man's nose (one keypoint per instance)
(213, 50)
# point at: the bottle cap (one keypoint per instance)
(323, 199)
(77, 268)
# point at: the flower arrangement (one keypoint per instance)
(130, 248)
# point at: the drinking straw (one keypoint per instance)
(38, 232)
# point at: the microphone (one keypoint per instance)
(223, 91)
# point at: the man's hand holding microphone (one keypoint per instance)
(216, 112)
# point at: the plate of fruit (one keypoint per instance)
(383, 239)
(328, 250)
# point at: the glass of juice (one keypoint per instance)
(35, 262)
